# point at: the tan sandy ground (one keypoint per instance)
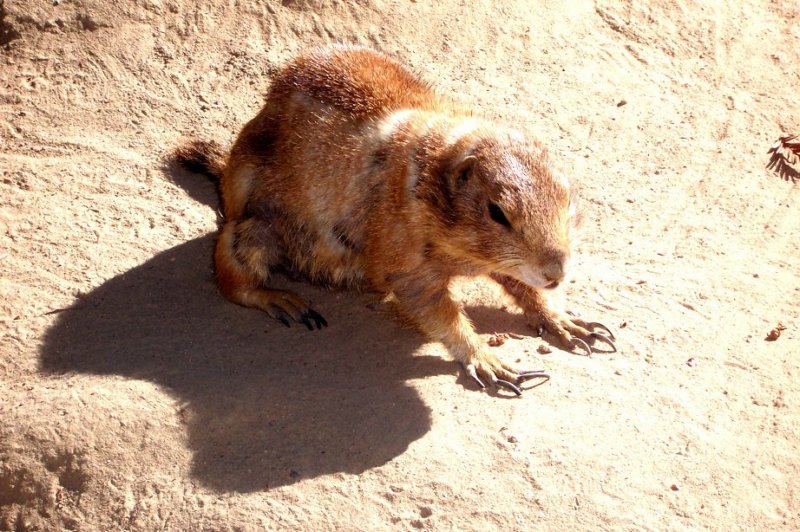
(133, 396)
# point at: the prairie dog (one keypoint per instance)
(357, 173)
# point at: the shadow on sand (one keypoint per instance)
(265, 405)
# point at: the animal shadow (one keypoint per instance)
(264, 405)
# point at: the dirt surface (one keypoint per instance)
(133, 396)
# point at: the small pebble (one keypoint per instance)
(674, 487)
(544, 349)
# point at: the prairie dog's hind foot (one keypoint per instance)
(282, 305)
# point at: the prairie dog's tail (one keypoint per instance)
(201, 156)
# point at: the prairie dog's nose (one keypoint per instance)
(554, 267)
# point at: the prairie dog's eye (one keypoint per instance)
(496, 214)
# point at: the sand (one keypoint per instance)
(134, 397)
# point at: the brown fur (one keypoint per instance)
(357, 173)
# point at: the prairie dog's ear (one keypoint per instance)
(462, 172)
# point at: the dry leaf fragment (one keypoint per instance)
(775, 333)
(784, 157)
(497, 340)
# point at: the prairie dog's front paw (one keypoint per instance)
(571, 330)
(484, 367)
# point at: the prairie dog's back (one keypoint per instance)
(331, 99)
(356, 81)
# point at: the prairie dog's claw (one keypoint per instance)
(606, 339)
(283, 318)
(593, 324)
(535, 374)
(310, 314)
(509, 386)
(318, 319)
(474, 374)
(581, 343)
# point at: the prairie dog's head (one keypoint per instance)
(509, 210)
